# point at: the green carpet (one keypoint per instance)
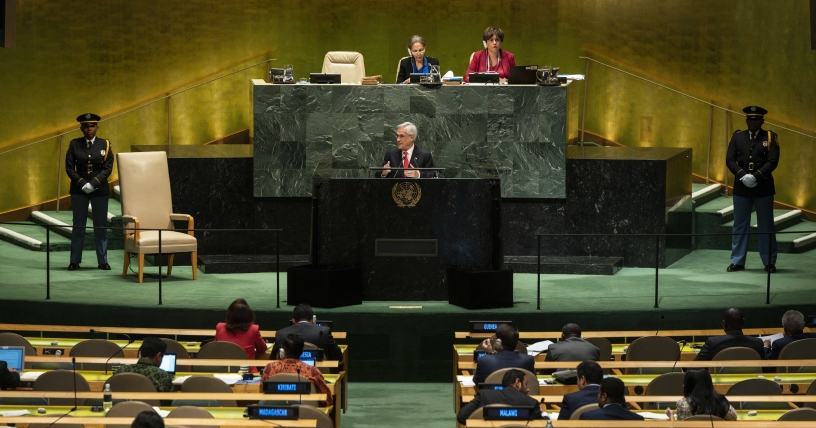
(402, 405)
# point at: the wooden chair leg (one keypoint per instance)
(170, 264)
(141, 268)
(194, 262)
(125, 264)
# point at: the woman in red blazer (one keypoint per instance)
(492, 58)
(240, 329)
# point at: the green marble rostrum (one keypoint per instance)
(515, 133)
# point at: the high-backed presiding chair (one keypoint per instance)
(62, 380)
(532, 381)
(652, 348)
(132, 382)
(144, 181)
(95, 348)
(350, 65)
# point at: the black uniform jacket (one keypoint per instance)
(89, 165)
(758, 157)
(405, 67)
(420, 158)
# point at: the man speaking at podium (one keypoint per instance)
(407, 155)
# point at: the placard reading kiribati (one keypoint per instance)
(406, 194)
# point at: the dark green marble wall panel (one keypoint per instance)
(517, 134)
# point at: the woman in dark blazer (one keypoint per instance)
(417, 62)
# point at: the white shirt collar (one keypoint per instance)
(410, 153)
(92, 140)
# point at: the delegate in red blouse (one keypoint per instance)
(492, 58)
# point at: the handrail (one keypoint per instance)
(147, 103)
(690, 96)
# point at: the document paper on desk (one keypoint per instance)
(772, 337)
(466, 380)
(13, 413)
(228, 378)
(538, 347)
(179, 380)
(30, 376)
(654, 416)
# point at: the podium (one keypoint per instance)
(404, 234)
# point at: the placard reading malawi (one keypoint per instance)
(514, 133)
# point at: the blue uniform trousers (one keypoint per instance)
(742, 224)
(99, 205)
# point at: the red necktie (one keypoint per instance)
(404, 162)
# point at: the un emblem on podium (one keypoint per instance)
(406, 194)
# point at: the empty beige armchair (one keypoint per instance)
(144, 181)
(350, 65)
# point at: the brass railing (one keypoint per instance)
(712, 106)
(168, 97)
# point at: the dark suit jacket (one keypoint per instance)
(573, 401)
(763, 152)
(731, 339)
(314, 334)
(8, 379)
(420, 158)
(609, 412)
(772, 353)
(573, 349)
(502, 360)
(508, 395)
(100, 158)
(405, 67)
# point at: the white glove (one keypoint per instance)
(87, 188)
(748, 180)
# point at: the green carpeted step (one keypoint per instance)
(776, 213)
(785, 240)
(715, 205)
(38, 233)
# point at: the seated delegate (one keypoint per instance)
(290, 351)
(514, 393)
(492, 58)
(416, 61)
(240, 329)
(503, 355)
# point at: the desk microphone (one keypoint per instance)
(73, 371)
(679, 354)
(659, 323)
(122, 350)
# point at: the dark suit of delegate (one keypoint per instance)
(407, 66)
(314, 334)
(731, 339)
(8, 379)
(573, 349)
(93, 165)
(420, 158)
(502, 360)
(508, 395)
(772, 353)
(610, 411)
(572, 402)
(758, 156)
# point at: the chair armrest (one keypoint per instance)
(127, 219)
(182, 217)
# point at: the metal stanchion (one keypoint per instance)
(48, 260)
(160, 270)
(768, 292)
(657, 266)
(538, 268)
(277, 269)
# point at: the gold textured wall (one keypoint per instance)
(109, 56)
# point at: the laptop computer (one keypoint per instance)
(169, 363)
(483, 77)
(14, 356)
(522, 75)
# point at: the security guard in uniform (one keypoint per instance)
(752, 156)
(89, 163)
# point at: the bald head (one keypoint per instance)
(732, 319)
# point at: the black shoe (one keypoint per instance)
(104, 266)
(770, 268)
(734, 268)
(73, 266)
